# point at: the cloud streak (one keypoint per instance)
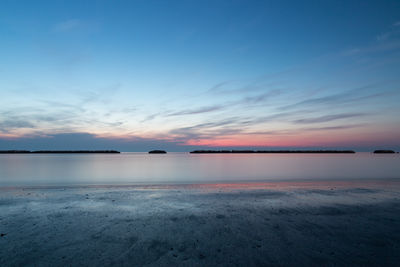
(200, 110)
(7, 125)
(337, 127)
(328, 118)
(350, 96)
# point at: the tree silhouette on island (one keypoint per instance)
(157, 152)
(272, 151)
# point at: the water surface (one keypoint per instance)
(172, 168)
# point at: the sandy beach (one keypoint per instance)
(255, 224)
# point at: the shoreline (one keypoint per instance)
(240, 184)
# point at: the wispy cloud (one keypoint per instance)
(67, 25)
(218, 86)
(7, 125)
(350, 96)
(268, 133)
(328, 118)
(260, 98)
(384, 36)
(246, 100)
(337, 127)
(186, 134)
(196, 110)
(393, 31)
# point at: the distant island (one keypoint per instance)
(383, 151)
(272, 151)
(59, 152)
(157, 152)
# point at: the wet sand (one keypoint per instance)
(256, 224)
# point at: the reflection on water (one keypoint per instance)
(132, 168)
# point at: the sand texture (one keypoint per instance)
(205, 225)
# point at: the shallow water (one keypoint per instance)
(172, 168)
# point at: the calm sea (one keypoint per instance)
(139, 168)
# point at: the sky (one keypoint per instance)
(183, 75)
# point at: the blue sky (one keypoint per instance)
(179, 74)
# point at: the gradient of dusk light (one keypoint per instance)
(135, 75)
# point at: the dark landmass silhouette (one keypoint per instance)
(14, 151)
(384, 151)
(157, 152)
(272, 151)
(58, 152)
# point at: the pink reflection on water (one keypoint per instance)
(276, 185)
(283, 185)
